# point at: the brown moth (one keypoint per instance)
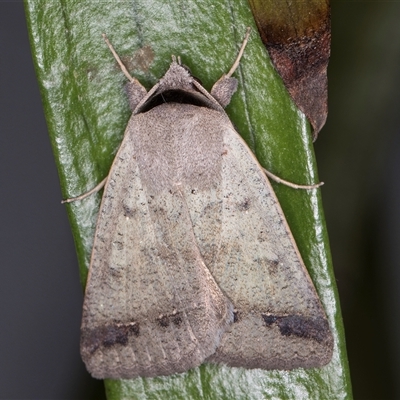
(192, 258)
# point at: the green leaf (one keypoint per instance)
(87, 111)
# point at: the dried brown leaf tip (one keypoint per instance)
(297, 36)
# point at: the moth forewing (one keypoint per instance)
(151, 305)
(279, 320)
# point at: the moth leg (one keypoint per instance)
(84, 195)
(226, 86)
(290, 184)
(134, 89)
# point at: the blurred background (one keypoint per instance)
(358, 153)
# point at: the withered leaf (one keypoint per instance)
(297, 36)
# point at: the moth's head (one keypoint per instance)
(179, 86)
(178, 77)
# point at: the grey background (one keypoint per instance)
(40, 293)
(358, 154)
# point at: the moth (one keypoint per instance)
(193, 260)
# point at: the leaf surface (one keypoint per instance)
(87, 112)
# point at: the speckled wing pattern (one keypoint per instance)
(189, 225)
(279, 320)
(193, 260)
(151, 305)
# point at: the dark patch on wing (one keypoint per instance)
(297, 325)
(118, 245)
(236, 316)
(176, 319)
(273, 266)
(128, 212)
(165, 320)
(262, 236)
(109, 335)
(244, 205)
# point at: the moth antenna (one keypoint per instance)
(241, 51)
(116, 56)
(290, 184)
